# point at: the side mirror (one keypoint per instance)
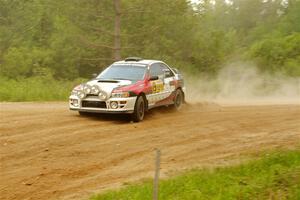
(94, 75)
(154, 78)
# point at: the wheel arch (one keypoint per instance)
(145, 99)
(180, 88)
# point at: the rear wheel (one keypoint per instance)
(178, 100)
(139, 110)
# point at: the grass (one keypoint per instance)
(274, 176)
(35, 89)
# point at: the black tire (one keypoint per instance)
(139, 109)
(178, 99)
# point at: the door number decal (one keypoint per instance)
(157, 86)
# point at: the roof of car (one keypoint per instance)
(142, 61)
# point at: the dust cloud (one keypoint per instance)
(242, 83)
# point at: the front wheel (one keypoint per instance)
(178, 100)
(139, 110)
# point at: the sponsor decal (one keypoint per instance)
(157, 86)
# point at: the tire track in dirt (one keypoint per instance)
(49, 152)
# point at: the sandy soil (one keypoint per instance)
(49, 152)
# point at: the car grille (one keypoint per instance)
(93, 104)
(91, 95)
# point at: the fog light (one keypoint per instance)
(114, 105)
(102, 95)
(80, 94)
(87, 89)
(95, 90)
(74, 102)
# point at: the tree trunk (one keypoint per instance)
(117, 34)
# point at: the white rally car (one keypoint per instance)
(130, 86)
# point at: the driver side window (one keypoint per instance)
(156, 70)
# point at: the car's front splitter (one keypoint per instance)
(102, 111)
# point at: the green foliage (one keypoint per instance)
(274, 175)
(39, 88)
(23, 62)
(281, 53)
(68, 39)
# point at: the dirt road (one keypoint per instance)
(49, 152)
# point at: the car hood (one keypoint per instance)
(108, 86)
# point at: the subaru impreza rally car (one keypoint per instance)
(130, 86)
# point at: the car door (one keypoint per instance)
(161, 88)
(157, 86)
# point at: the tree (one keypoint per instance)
(117, 36)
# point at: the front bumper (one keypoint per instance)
(125, 105)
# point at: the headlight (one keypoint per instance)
(120, 95)
(74, 92)
(95, 90)
(114, 105)
(79, 87)
(102, 95)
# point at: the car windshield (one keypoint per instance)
(133, 72)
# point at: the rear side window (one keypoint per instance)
(161, 70)
(166, 70)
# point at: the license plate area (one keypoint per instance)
(93, 104)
